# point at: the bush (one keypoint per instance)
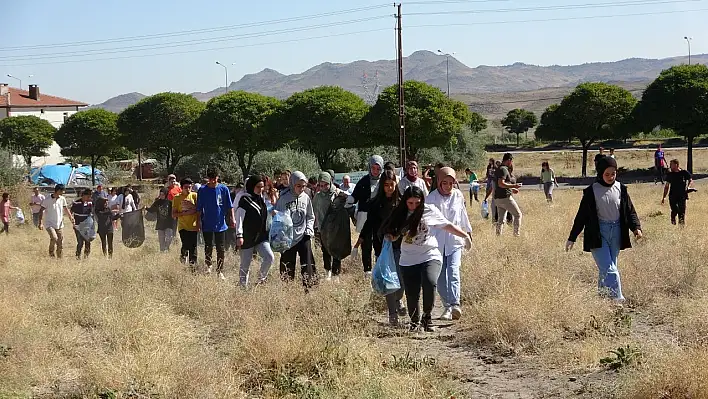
(195, 167)
(10, 175)
(272, 162)
(354, 159)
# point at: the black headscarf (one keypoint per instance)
(602, 165)
(251, 184)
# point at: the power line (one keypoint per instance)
(557, 19)
(198, 31)
(183, 43)
(555, 8)
(201, 50)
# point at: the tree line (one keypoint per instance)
(326, 119)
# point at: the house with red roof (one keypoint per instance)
(55, 110)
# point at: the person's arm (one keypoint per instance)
(310, 220)
(200, 205)
(175, 205)
(13, 207)
(230, 206)
(501, 183)
(238, 225)
(666, 192)
(455, 230)
(581, 218)
(632, 218)
(41, 215)
(68, 213)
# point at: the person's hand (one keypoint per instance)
(663, 201)
(359, 242)
(239, 242)
(514, 190)
(518, 185)
(355, 253)
(638, 234)
(468, 243)
(569, 245)
(391, 237)
(40, 226)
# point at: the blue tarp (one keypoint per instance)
(49, 175)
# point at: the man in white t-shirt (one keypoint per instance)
(36, 206)
(52, 214)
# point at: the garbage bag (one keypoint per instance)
(485, 210)
(133, 228)
(384, 278)
(336, 231)
(87, 229)
(281, 232)
(20, 216)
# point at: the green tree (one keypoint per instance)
(677, 99)
(593, 111)
(432, 119)
(164, 124)
(28, 136)
(519, 121)
(477, 122)
(323, 120)
(241, 123)
(92, 133)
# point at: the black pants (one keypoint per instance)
(421, 276)
(660, 173)
(217, 239)
(82, 243)
(106, 243)
(288, 261)
(331, 264)
(678, 208)
(366, 248)
(5, 228)
(189, 246)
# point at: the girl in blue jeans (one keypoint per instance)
(607, 215)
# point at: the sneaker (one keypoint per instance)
(414, 327)
(393, 320)
(329, 276)
(673, 221)
(447, 314)
(368, 274)
(221, 276)
(336, 279)
(456, 313)
(208, 270)
(427, 324)
(402, 311)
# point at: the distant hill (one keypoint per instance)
(365, 78)
(121, 102)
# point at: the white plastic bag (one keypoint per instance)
(20, 216)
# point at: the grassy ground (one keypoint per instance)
(569, 163)
(140, 326)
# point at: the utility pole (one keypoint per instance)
(401, 103)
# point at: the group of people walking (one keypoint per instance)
(424, 218)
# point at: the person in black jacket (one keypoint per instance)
(165, 224)
(251, 230)
(607, 215)
(364, 192)
(387, 199)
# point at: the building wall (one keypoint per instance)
(55, 116)
(3, 113)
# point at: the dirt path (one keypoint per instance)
(481, 373)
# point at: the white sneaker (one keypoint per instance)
(368, 274)
(447, 314)
(208, 270)
(456, 313)
(329, 276)
(221, 276)
(336, 279)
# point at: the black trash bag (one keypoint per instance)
(133, 228)
(336, 230)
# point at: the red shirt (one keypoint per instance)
(174, 191)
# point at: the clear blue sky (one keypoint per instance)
(93, 78)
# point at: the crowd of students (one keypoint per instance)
(424, 216)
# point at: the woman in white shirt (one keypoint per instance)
(421, 259)
(451, 202)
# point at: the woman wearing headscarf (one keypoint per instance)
(607, 215)
(364, 192)
(251, 233)
(326, 193)
(412, 179)
(451, 203)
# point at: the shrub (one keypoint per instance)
(271, 162)
(195, 166)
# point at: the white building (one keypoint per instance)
(55, 110)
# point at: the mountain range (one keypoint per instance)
(367, 78)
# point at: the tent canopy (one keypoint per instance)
(68, 175)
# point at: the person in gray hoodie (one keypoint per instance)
(364, 191)
(299, 206)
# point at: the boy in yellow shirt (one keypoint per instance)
(184, 209)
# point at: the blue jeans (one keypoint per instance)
(606, 259)
(247, 256)
(449, 280)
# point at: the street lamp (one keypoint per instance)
(14, 77)
(688, 40)
(447, 70)
(226, 71)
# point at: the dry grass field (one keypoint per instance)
(569, 163)
(140, 326)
